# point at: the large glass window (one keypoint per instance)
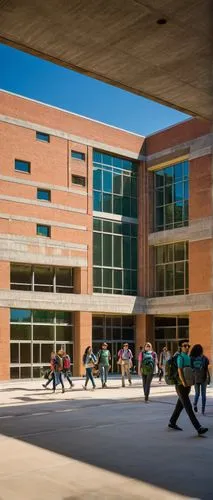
(169, 330)
(114, 257)
(171, 196)
(41, 278)
(114, 185)
(171, 269)
(33, 335)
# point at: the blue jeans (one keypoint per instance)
(89, 376)
(203, 394)
(104, 370)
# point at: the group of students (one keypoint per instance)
(60, 368)
(181, 370)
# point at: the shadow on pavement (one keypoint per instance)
(127, 437)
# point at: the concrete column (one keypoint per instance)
(82, 338)
(5, 343)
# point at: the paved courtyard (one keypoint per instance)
(106, 444)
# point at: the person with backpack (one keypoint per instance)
(147, 362)
(51, 370)
(67, 368)
(164, 356)
(200, 365)
(183, 383)
(104, 358)
(125, 357)
(58, 371)
(89, 361)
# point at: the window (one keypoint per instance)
(169, 330)
(79, 180)
(44, 194)
(114, 257)
(33, 335)
(41, 136)
(22, 166)
(114, 185)
(171, 196)
(77, 155)
(41, 278)
(43, 230)
(114, 328)
(171, 269)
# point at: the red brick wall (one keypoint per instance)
(200, 264)
(200, 203)
(180, 133)
(200, 325)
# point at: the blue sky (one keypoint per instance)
(38, 79)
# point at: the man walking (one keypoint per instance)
(104, 358)
(125, 360)
(183, 361)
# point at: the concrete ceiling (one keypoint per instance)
(121, 43)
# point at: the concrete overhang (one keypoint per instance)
(126, 43)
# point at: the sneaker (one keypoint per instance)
(94, 387)
(130, 382)
(202, 430)
(105, 386)
(72, 385)
(174, 427)
(63, 391)
(44, 385)
(195, 409)
(84, 387)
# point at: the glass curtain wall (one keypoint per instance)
(171, 196)
(33, 335)
(114, 185)
(114, 257)
(114, 241)
(171, 269)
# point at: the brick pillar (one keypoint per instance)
(144, 330)
(82, 338)
(80, 280)
(5, 343)
(200, 324)
(4, 275)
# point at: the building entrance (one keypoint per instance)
(115, 330)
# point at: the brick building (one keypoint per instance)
(104, 235)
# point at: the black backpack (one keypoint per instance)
(171, 370)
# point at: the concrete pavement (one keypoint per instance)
(108, 444)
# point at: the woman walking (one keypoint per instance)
(147, 362)
(164, 357)
(200, 365)
(89, 361)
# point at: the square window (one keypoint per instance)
(43, 230)
(41, 136)
(78, 155)
(79, 180)
(44, 194)
(22, 166)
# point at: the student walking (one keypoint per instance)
(200, 364)
(183, 387)
(67, 368)
(58, 371)
(89, 361)
(104, 358)
(148, 362)
(125, 361)
(164, 356)
(51, 374)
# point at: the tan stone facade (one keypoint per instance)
(69, 215)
